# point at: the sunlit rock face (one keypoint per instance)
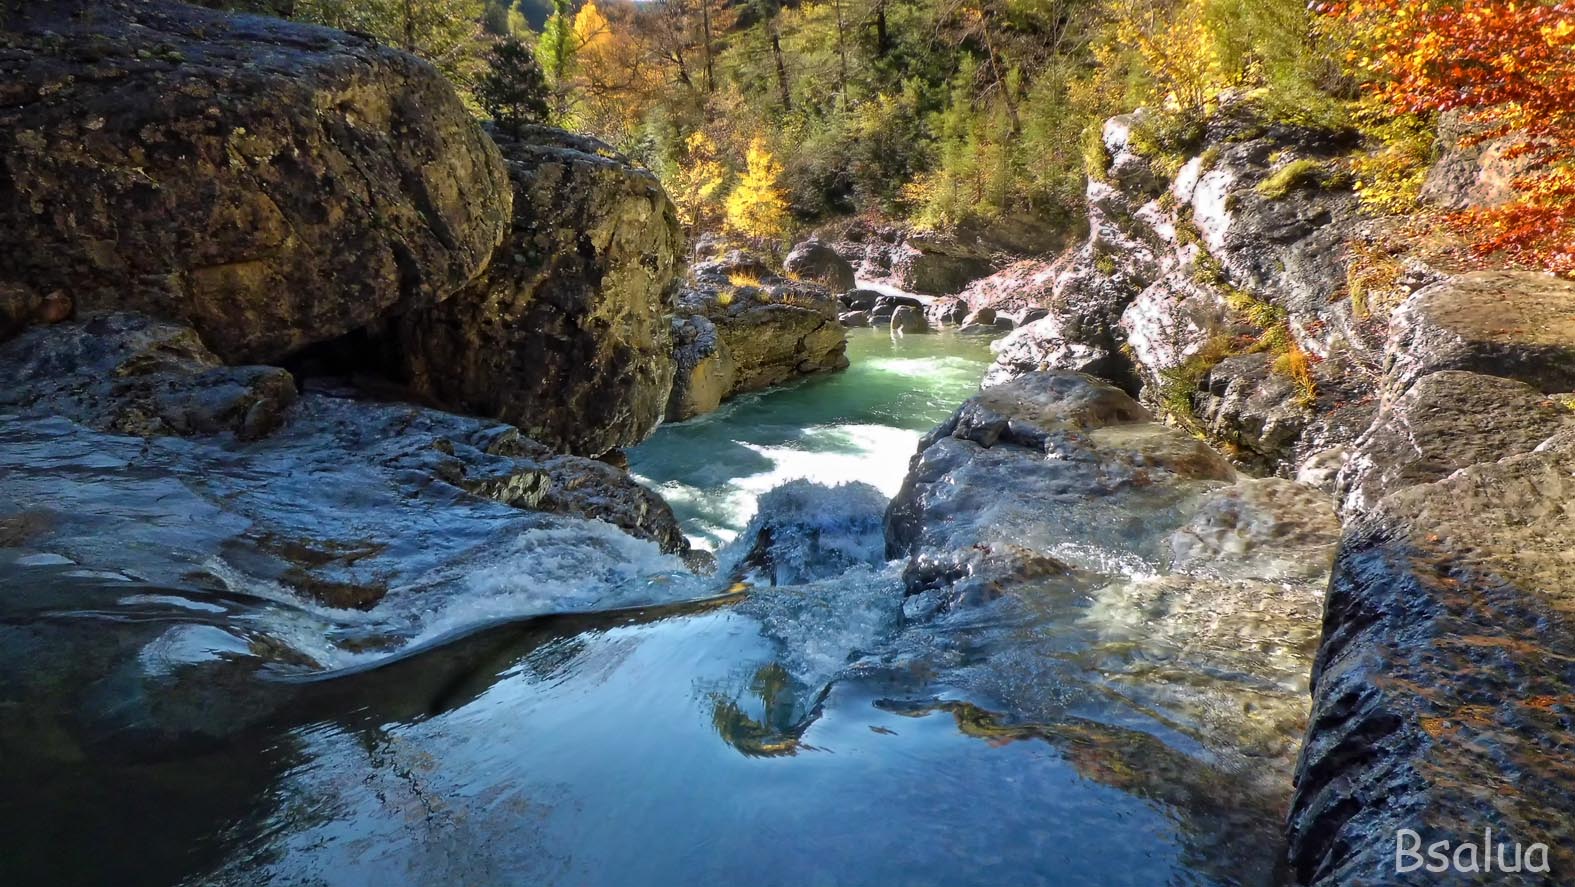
(1171, 579)
(1518, 325)
(271, 185)
(1446, 421)
(566, 334)
(1194, 259)
(741, 328)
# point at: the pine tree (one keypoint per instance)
(513, 89)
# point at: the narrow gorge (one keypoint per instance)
(389, 496)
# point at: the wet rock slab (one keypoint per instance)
(1442, 690)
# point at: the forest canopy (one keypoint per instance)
(948, 113)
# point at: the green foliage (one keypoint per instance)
(1178, 385)
(444, 32)
(513, 89)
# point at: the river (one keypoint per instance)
(803, 733)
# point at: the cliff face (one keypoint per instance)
(271, 184)
(1240, 290)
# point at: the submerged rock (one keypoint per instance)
(1442, 688)
(271, 184)
(566, 334)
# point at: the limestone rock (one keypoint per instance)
(943, 313)
(271, 184)
(1519, 325)
(566, 334)
(937, 265)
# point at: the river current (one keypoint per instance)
(717, 730)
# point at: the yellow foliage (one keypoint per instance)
(696, 186)
(1179, 49)
(757, 208)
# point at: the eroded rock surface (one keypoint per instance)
(270, 184)
(134, 450)
(1132, 558)
(1444, 422)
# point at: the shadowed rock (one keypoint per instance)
(271, 184)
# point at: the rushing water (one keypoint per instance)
(803, 732)
(858, 425)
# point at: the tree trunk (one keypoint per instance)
(782, 77)
(882, 37)
(705, 27)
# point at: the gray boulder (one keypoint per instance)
(815, 261)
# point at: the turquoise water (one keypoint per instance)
(858, 425)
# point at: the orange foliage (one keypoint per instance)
(1508, 67)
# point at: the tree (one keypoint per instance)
(1506, 66)
(757, 208)
(696, 186)
(513, 89)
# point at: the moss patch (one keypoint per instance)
(1296, 174)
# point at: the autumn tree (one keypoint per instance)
(1508, 68)
(697, 181)
(757, 208)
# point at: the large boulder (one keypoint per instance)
(1442, 688)
(566, 334)
(817, 262)
(1519, 325)
(271, 184)
(936, 265)
(1444, 422)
